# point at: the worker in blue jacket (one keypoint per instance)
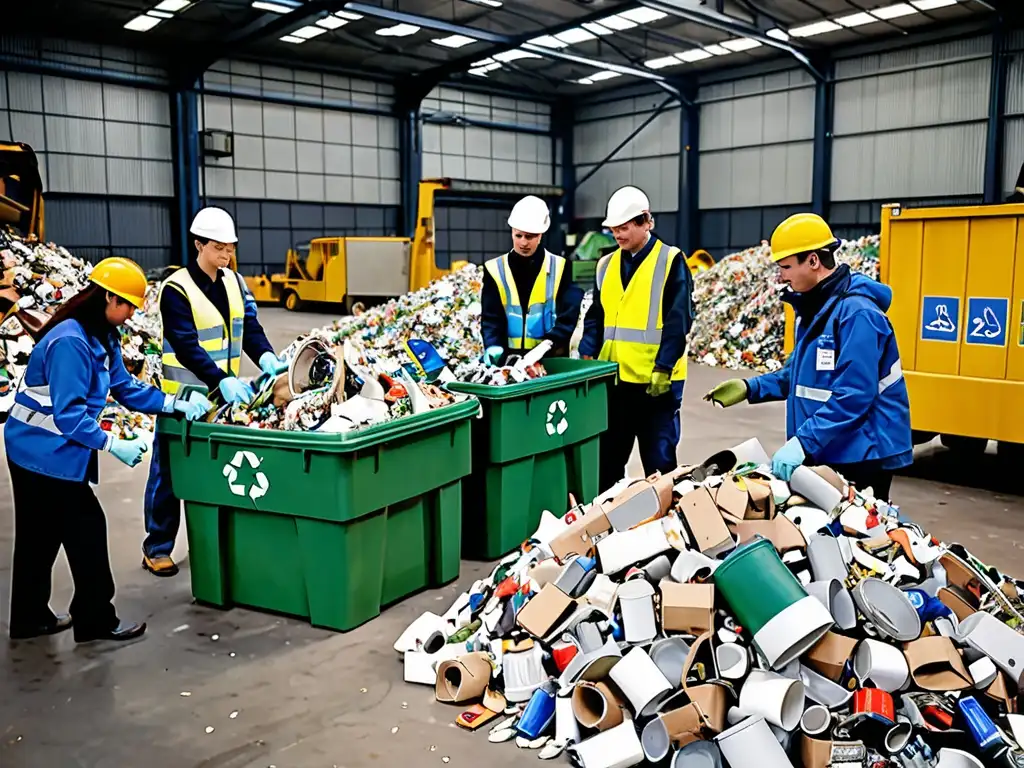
(846, 400)
(52, 439)
(527, 297)
(209, 319)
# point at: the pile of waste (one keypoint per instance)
(720, 616)
(740, 320)
(39, 277)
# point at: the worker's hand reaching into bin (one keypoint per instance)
(271, 364)
(728, 393)
(127, 451)
(493, 355)
(235, 390)
(195, 407)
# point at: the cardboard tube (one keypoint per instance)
(639, 678)
(616, 748)
(815, 753)
(463, 679)
(595, 705)
(898, 738)
(779, 700)
(750, 743)
(816, 720)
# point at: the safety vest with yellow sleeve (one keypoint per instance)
(632, 316)
(221, 341)
(527, 332)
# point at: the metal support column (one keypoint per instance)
(185, 132)
(996, 111)
(824, 115)
(563, 219)
(688, 235)
(408, 103)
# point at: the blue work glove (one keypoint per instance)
(195, 407)
(492, 355)
(787, 459)
(235, 390)
(661, 383)
(128, 451)
(271, 364)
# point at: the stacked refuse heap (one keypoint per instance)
(37, 278)
(740, 320)
(720, 616)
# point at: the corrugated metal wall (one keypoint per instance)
(912, 123)
(650, 160)
(478, 232)
(104, 150)
(756, 156)
(315, 171)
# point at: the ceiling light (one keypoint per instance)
(778, 34)
(259, 5)
(617, 23)
(491, 3)
(291, 39)
(331, 22)
(348, 15)
(142, 23)
(717, 50)
(604, 75)
(817, 28)
(173, 6)
(398, 30)
(453, 41)
(584, 81)
(856, 19)
(574, 35)
(894, 11)
(482, 62)
(515, 53)
(549, 42)
(931, 5)
(696, 54)
(740, 44)
(160, 14)
(642, 15)
(597, 29)
(308, 32)
(664, 61)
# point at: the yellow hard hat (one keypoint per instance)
(800, 233)
(122, 277)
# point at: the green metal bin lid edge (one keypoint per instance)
(598, 369)
(343, 442)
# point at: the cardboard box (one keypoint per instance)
(545, 610)
(577, 538)
(641, 502)
(780, 531)
(687, 607)
(936, 665)
(745, 498)
(708, 530)
(831, 655)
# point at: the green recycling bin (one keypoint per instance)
(537, 442)
(329, 527)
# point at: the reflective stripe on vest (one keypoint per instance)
(224, 348)
(824, 395)
(632, 315)
(528, 332)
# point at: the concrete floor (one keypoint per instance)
(308, 698)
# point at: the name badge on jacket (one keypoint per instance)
(826, 354)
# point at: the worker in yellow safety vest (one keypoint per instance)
(527, 296)
(640, 318)
(209, 318)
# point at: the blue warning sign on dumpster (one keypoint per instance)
(940, 318)
(986, 321)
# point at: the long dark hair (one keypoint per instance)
(89, 308)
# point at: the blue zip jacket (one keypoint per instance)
(53, 427)
(846, 399)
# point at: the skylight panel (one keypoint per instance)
(856, 20)
(142, 23)
(741, 44)
(664, 61)
(817, 28)
(575, 35)
(453, 41)
(894, 11)
(398, 30)
(697, 54)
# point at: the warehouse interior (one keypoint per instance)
(320, 118)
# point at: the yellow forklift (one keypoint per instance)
(21, 190)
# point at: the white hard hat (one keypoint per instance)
(624, 205)
(214, 224)
(530, 215)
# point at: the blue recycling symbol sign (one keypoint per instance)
(940, 318)
(987, 319)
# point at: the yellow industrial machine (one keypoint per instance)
(345, 269)
(957, 276)
(21, 190)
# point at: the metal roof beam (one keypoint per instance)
(698, 14)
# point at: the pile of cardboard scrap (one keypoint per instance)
(740, 320)
(719, 616)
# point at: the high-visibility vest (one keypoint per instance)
(527, 332)
(632, 317)
(222, 342)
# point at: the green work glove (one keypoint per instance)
(728, 393)
(661, 383)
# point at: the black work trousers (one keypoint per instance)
(48, 513)
(867, 474)
(653, 422)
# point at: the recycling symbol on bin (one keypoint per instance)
(260, 484)
(555, 424)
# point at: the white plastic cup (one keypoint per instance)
(639, 678)
(815, 720)
(883, 664)
(616, 748)
(733, 661)
(752, 743)
(779, 700)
